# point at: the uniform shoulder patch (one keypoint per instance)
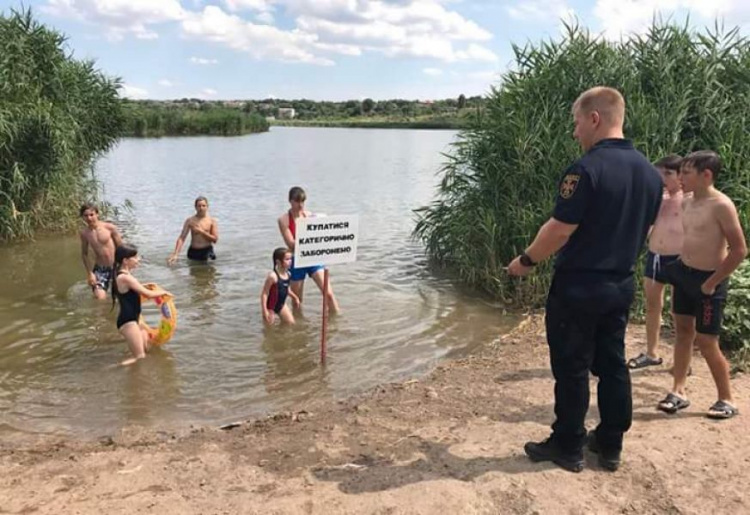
(569, 184)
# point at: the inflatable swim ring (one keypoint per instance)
(168, 321)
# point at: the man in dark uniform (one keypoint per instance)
(606, 203)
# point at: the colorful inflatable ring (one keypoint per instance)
(167, 322)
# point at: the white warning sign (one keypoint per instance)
(326, 240)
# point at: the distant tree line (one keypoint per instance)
(305, 109)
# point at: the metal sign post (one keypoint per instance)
(326, 240)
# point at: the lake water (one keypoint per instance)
(59, 347)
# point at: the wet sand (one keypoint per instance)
(450, 442)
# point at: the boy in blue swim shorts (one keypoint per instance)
(664, 247)
(288, 229)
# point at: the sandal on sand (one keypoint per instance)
(722, 410)
(673, 403)
(643, 360)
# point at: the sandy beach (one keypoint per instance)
(450, 442)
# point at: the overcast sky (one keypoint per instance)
(334, 49)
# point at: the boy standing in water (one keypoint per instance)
(102, 238)
(288, 228)
(664, 246)
(204, 232)
(713, 247)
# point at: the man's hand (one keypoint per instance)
(515, 268)
(171, 259)
(708, 289)
(91, 280)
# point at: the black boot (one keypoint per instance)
(608, 459)
(548, 450)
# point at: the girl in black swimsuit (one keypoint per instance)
(128, 291)
(276, 289)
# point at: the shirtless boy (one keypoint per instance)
(713, 247)
(288, 227)
(664, 246)
(102, 238)
(204, 232)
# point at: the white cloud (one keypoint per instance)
(165, 83)
(203, 61)
(128, 91)
(322, 28)
(622, 17)
(260, 41)
(433, 72)
(265, 17)
(209, 92)
(119, 17)
(540, 10)
(477, 53)
(411, 28)
(256, 5)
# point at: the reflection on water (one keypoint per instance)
(58, 346)
(292, 359)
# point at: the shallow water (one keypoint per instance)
(59, 348)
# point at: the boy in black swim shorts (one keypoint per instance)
(713, 247)
(204, 233)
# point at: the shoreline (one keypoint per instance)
(449, 441)
(363, 124)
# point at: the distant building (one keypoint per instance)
(286, 113)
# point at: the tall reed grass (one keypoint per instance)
(156, 121)
(56, 115)
(684, 90)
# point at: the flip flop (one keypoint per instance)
(642, 361)
(722, 410)
(672, 403)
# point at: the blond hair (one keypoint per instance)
(608, 102)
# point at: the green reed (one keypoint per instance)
(144, 120)
(684, 90)
(57, 114)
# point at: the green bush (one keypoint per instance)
(736, 326)
(57, 115)
(684, 91)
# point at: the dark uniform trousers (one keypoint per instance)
(586, 317)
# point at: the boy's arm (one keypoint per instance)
(730, 226)
(115, 232)
(90, 277)
(180, 241)
(214, 235)
(286, 233)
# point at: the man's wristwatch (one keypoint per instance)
(526, 260)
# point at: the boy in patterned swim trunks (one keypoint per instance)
(102, 238)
